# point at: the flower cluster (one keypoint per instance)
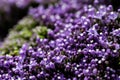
(82, 43)
(86, 37)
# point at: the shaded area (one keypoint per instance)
(9, 19)
(116, 4)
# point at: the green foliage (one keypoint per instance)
(40, 31)
(25, 31)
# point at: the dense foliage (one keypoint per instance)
(67, 40)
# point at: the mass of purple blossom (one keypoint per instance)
(83, 43)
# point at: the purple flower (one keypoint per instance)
(59, 59)
(113, 15)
